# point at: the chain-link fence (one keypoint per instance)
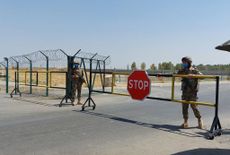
(42, 72)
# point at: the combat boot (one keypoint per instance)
(79, 102)
(72, 102)
(185, 124)
(200, 124)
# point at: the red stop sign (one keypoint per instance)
(138, 85)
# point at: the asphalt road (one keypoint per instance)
(35, 125)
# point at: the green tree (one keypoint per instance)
(165, 66)
(152, 68)
(134, 66)
(143, 66)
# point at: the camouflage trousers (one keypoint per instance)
(191, 96)
(76, 87)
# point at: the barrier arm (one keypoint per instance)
(215, 128)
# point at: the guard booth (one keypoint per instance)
(224, 47)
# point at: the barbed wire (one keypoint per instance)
(94, 56)
(57, 59)
(3, 63)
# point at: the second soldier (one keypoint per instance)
(77, 82)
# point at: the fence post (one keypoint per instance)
(104, 72)
(16, 89)
(89, 99)
(30, 74)
(69, 77)
(16, 76)
(47, 73)
(70, 61)
(7, 75)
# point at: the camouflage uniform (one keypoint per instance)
(189, 87)
(77, 81)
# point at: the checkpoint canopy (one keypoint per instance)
(225, 46)
(138, 85)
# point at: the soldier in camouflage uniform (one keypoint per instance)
(189, 87)
(77, 81)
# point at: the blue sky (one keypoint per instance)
(149, 31)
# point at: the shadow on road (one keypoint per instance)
(35, 102)
(163, 127)
(204, 151)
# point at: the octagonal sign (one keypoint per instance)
(138, 85)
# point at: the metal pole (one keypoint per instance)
(90, 81)
(7, 75)
(104, 72)
(31, 67)
(173, 88)
(216, 121)
(63, 52)
(16, 76)
(103, 76)
(15, 82)
(67, 80)
(47, 73)
(86, 75)
(217, 96)
(70, 72)
(90, 78)
(47, 76)
(77, 53)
